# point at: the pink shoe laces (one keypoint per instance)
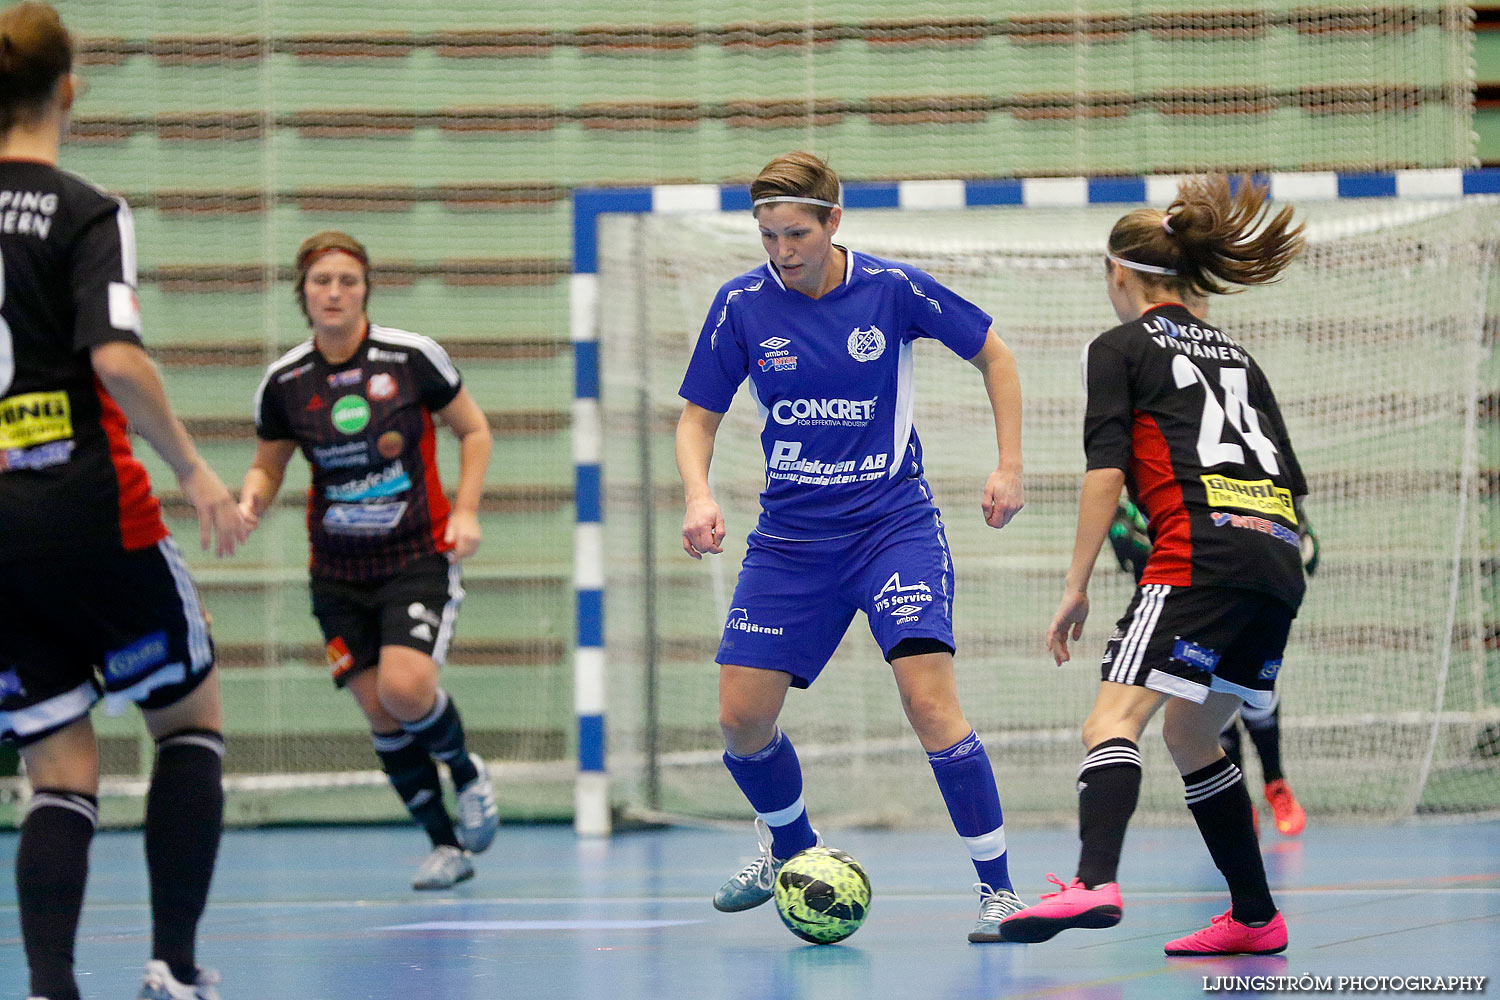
(1062, 886)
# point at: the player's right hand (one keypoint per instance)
(219, 517)
(1072, 612)
(702, 528)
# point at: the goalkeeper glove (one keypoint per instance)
(1128, 537)
(1307, 540)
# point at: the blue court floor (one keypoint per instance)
(325, 914)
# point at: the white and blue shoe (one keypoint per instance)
(994, 906)
(160, 984)
(753, 884)
(444, 868)
(478, 815)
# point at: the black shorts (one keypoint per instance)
(415, 608)
(127, 626)
(1188, 641)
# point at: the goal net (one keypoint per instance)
(1375, 342)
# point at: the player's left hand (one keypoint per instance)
(462, 534)
(1003, 497)
(1072, 612)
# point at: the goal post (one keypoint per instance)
(1375, 342)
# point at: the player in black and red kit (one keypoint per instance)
(1180, 415)
(1130, 538)
(360, 401)
(95, 598)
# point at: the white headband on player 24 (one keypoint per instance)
(1137, 266)
(787, 197)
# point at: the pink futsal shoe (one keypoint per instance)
(1227, 936)
(1073, 905)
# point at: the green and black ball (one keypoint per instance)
(822, 895)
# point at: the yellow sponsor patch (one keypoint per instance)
(34, 418)
(1261, 496)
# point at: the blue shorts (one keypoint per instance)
(795, 599)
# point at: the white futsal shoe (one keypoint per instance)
(444, 868)
(160, 984)
(478, 816)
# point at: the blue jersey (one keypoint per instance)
(833, 380)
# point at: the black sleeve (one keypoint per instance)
(437, 379)
(1292, 469)
(103, 277)
(271, 423)
(1108, 413)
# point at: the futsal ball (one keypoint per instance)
(822, 895)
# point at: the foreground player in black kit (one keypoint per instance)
(95, 599)
(359, 401)
(1180, 414)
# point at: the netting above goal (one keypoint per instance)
(1375, 344)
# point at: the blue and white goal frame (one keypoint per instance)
(591, 794)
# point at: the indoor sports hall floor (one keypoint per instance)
(324, 914)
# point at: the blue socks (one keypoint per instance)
(967, 782)
(771, 779)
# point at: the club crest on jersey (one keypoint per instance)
(382, 386)
(866, 345)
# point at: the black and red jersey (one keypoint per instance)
(1185, 411)
(376, 503)
(68, 480)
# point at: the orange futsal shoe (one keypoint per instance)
(1290, 819)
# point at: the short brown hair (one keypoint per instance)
(316, 246)
(798, 174)
(1210, 236)
(36, 52)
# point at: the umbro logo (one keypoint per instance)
(775, 343)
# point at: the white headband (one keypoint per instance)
(786, 197)
(1137, 266)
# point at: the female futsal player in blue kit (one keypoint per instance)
(848, 522)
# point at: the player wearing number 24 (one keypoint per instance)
(1179, 413)
(96, 599)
